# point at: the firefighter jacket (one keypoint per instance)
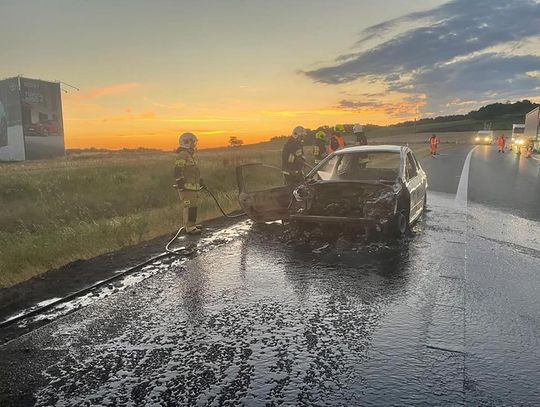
(292, 157)
(186, 171)
(319, 149)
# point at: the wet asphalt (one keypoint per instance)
(448, 316)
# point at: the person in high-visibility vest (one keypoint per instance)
(188, 181)
(292, 157)
(337, 141)
(501, 143)
(319, 147)
(433, 142)
(529, 151)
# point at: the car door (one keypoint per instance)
(415, 186)
(262, 193)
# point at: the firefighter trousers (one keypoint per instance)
(189, 200)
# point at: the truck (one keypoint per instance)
(532, 127)
(518, 139)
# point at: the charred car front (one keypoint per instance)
(373, 187)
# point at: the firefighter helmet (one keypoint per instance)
(187, 140)
(320, 135)
(298, 132)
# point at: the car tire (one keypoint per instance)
(400, 224)
(424, 207)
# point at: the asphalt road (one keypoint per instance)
(448, 316)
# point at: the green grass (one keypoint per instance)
(57, 211)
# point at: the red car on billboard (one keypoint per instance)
(44, 128)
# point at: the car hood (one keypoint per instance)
(346, 198)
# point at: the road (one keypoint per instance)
(447, 316)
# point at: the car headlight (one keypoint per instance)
(487, 138)
(520, 142)
(477, 138)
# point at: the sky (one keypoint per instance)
(149, 70)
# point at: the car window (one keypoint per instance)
(418, 166)
(261, 177)
(327, 170)
(368, 166)
(411, 170)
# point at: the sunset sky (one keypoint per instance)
(150, 70)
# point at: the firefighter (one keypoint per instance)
(433, 142)
(337, 141)
(292, 157)
(188, 182)
(319, 148)
(501, 143)
(358, 131)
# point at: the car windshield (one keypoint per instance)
(361, 166)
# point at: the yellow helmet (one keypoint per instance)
(339, 128)
(320, 135)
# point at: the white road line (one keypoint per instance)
(463, 186)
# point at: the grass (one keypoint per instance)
(57, 211)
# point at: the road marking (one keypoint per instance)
(463, 186)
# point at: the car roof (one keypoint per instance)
(384, 148)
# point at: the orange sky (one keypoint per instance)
(123, 115)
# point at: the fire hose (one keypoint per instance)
(179, 232)
(181, 251)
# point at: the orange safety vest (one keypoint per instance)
(340, 141)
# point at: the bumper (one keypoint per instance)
(334, 220)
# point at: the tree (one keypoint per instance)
(235, 142)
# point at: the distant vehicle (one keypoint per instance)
(43, 129)
(484, 137)
(380, 188)
(518, 138)
(3, 126)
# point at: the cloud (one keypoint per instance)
(487, 77)
(405, 108)
(306, 112)
(130, 117)
(445, 45)
(111, 89)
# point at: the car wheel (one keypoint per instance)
(400, 223)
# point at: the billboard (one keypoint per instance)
(11, 131)
(41, 114)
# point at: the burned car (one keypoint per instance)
(379, 188)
